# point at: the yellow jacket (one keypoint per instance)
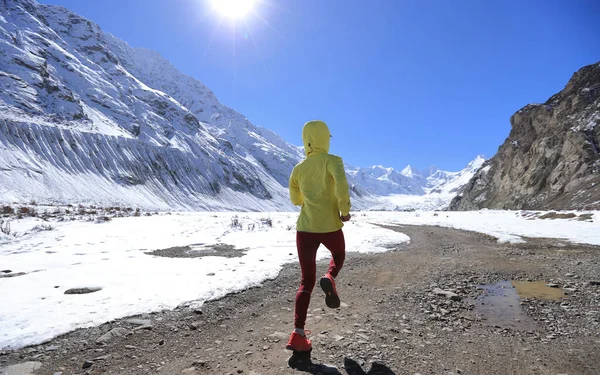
(318, 183)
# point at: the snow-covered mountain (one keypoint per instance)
(85, 118)
(379, 180)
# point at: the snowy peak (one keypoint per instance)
(407, 172)
(449, 183)
(476, 163)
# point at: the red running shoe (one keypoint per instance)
(299, 343)
(332, 300)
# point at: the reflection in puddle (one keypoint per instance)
(500, 306)
(538, 290)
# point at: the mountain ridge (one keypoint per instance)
(551, 158)
(86, 118)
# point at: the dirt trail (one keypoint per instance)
(393, 320)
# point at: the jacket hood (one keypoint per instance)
(315, 136)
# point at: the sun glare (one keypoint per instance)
(234, 9)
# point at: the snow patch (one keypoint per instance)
(507, 226)
(113, 256)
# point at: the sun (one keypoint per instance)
(234, 9)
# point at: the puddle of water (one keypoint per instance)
(500, 306)
(537, 290)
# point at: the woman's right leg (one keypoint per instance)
(336, 244)
(307, 246)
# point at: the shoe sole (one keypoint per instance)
(289, 347)
(331, 298)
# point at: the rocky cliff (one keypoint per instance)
(551, 158)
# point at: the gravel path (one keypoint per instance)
(442, 304)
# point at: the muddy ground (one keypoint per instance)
(442, 304)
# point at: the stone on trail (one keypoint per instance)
(86, 290)
(112, 334)
(147, 327)
(25, 368)
(139, 322)
(451, 295)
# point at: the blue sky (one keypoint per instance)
(398, 81)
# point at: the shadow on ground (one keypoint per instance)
(353, 368)
(303, 362)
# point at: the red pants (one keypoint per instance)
(307, 244)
